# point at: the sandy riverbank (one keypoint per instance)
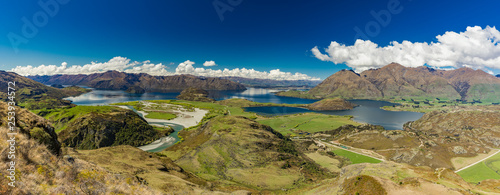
(184, 117)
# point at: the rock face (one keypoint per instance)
(331, 104)
(115, 80)
(395, 80)
(195, 94)
(96, 130)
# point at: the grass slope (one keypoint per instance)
(236, 151)
(160, 115)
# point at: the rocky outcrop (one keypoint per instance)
(331, 104)
(115, 80)
(195, 94)
(96, 130)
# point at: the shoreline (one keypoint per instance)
(184, 118)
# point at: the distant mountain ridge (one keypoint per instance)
(115, 80)
(397, 81)
(268, 83)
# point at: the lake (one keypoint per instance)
(102, 97)
(368, 111)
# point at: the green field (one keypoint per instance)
(488, 169)
(306, 122)
(160, 115)
(355, 158)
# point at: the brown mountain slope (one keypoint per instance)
(346, 84)
(473, 84)
(397, 81)
(119, 80)
(35, 95)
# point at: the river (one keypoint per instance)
(367, 111)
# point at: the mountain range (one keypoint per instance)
(397, 81)
(114, 80)
(271, 83)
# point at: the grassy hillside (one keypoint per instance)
(393, 178)
(39, 169)
(37, 96)
(155, 171)
(236, 151)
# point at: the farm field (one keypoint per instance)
(355, 158)
(299, 124)
(488, 169)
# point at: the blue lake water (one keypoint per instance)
(368, 111)
(101, 97)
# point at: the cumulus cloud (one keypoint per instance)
(116, 63)
(126, 65)
(187, 68)
(476, 47)
(209, 63)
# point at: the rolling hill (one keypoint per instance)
(34, 95)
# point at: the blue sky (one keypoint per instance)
(256, 34)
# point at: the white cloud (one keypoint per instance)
(476, 47)
(126, 65)
(187, 68)
(209, 63)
